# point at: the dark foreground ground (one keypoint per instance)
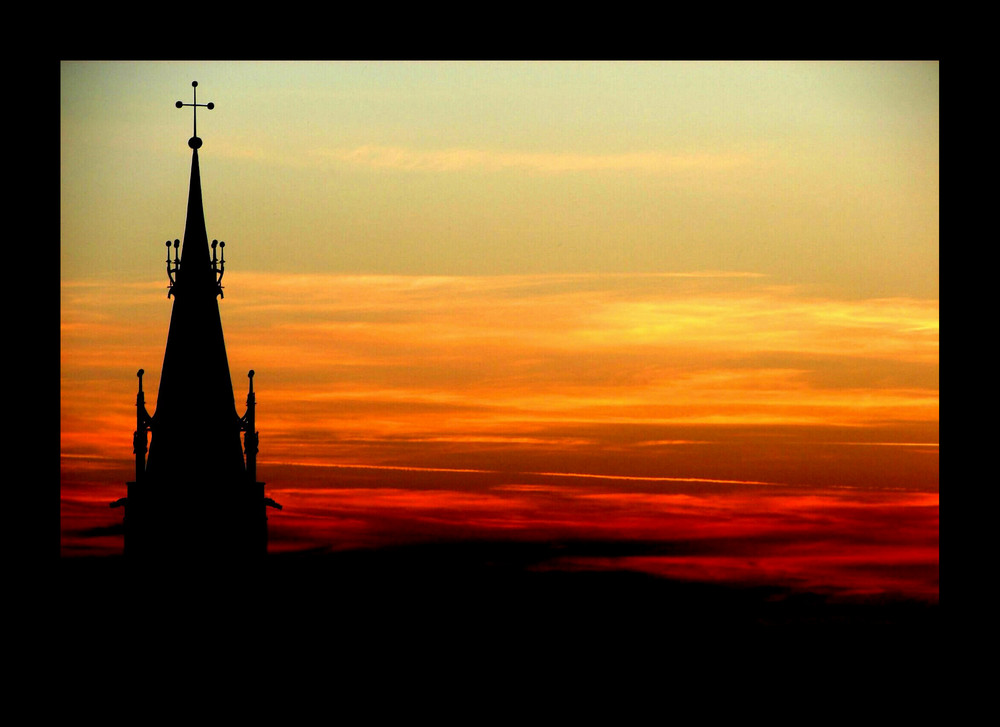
(479, 587)
(476, 633)
(480, 623)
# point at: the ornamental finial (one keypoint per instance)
(194, 142)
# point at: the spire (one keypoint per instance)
(195, 409)
(195, 495)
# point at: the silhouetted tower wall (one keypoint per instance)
(194, 495)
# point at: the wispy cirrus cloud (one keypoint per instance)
(470, 159)
(493, 160)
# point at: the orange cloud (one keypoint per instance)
(510, 359)
(638, 378)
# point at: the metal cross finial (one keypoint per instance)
(194, 142)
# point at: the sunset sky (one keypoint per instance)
(637, 301)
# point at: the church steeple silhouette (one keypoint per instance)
(195, 497)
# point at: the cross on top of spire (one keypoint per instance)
(194, 142)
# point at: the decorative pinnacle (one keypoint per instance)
(172, 266)
(194, 142)
(219, 265)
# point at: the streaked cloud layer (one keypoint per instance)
(630, 370)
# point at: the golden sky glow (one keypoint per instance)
(628, 277)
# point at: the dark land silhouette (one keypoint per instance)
(475, 585)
